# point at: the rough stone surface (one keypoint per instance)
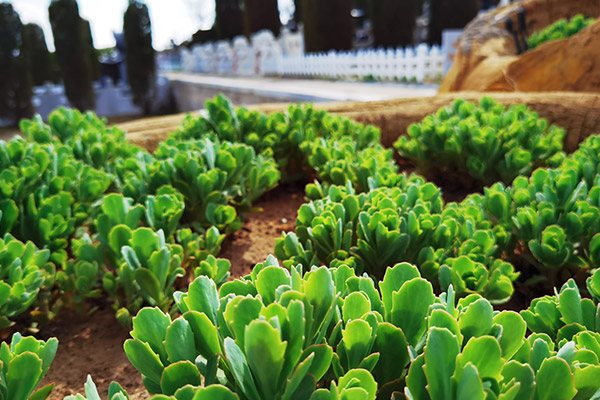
(578, 113)
(487, 58)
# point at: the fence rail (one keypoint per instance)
(266, 55)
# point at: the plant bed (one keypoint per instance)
(378, 279)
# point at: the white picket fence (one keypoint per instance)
(412, 65)
(265, 55)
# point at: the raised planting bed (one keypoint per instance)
(238, 280)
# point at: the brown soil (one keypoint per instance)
(256, 240)
(90, 345)
(94, 344)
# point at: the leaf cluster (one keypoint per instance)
(561, 29)
(483, 143)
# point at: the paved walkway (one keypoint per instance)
(306, 89)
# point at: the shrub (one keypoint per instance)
(407, 223)
(485, 143)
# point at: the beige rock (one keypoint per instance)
(487, 58)
(578, 113)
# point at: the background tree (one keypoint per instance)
(328, 25)
(298, 11)
(450, 14)
(39, 59)
(228, 19)
(139, 54)
(203, 36)
(261, 14)
(393, 21)
(15, 76)
(90, 49)
(72, 53)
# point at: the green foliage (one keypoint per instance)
(565, 314)
(79, 279)
(262, 336)
(85, 134)
(329, 323)
(211, 175)
(72, 43)
(24, 270)
(407, 223)
(24, 362)
(146, 271)
(293, 138)
(115, 392)
(561, 29)
(485, 143)
(48, 193)
(550, 220)
(139, 54)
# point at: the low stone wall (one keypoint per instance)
(578, 113)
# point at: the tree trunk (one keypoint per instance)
(328, 25)
(261, 14)
(450, 14)
(394, 21)
(228, 19)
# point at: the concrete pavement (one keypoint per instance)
(192, 90)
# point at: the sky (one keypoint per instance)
(173, 20)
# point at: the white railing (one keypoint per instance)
(411, 65)
(266, 55)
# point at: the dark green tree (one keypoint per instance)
(328, 25)
(91, 50)
(139, 54)
(38, 55)
(72, 53)
(228, 19)
(203, 36)
(298, 11)
(449, 14)
(393, 21)
(15, 75)
(261, 14)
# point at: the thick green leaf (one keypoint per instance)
(178, 375)
(411, 307)
(179, 341)
(265, 352)
(441, 350)
(141, 356)
(470, 385)
(554, 381)
(23, 374)
(240, 369)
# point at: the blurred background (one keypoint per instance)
(125, 58)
